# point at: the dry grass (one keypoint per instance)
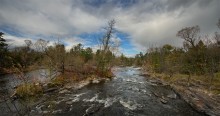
(28, 90)
(202, 82)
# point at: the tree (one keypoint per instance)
(3, 44)
(76, 50)
(189, 34)
(217, 38)
(48, 56)
(4, 58)
(106, 39)
(105, 54)
(217, 35)
(87, 54)
(41, 45)
(167, 48)
(60, 57)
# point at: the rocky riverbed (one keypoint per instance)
(195, 95)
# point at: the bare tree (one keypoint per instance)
(217, 38)
(28, 43)
(41, 45)
(189, 34)
(217, 35)
(108, 35)
(106, 46)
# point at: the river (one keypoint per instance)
(127, 94)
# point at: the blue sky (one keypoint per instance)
(140, 24)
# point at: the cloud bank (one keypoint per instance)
(146, 22)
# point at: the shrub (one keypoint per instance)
(28, 90)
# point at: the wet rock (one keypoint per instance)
(69, 102)
(129, 104)
(82, 84)
(56, 111)
(156, 82)
(39, 108)
(14, 96)
(50, 90)
(135, 89)
(109, 102)
(45, 112)
(199, 101)
(156, 94)
(91, 110)
(75, 99)
(64, 91)
(96, 81)
(144, 91)
(163, 101)
(145, 74)
(172, 96)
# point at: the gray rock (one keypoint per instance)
(163, 101)
(64, 91)
(96, 81)
(172, 96)
(45, 112)
(92, 109)
(50, 90)
(57, 111)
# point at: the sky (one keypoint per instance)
(140, 24)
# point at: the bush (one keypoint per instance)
(28, 90)
(58, 81)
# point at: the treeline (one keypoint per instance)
(40, 54)
(200, 55)
(123, 60)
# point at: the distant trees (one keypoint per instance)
(125, 61)
(86, 54)
(18, 57)
(139, 59)
(199, 55)
(163, 59)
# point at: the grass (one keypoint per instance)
(29, 90)
(201, 81)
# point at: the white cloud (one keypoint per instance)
(15, 41)
(70, 42)
(146, 22)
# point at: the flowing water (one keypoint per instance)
(10, 81)
(127, 94)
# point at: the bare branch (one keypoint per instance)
(189, 34)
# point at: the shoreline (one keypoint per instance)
(201, 101)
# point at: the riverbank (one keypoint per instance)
(27, 95)
(197, 94)
(5, 71)
(66, 80)
(35, 93)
